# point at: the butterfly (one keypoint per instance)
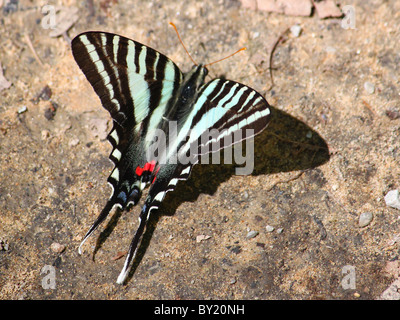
(147, 95)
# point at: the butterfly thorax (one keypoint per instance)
(189, 89)
(185, 97)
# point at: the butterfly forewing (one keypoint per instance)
(131, 79)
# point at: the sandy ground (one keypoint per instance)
(330, 154)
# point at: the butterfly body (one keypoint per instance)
(146, 94)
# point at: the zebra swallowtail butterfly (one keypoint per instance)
(144, 91)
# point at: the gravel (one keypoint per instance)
(252, 234)
(392, 199)
(365, 219)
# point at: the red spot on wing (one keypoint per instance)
(139, 171)
(149, 166)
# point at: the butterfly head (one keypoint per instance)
(200, 70)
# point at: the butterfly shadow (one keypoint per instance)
(286, 145)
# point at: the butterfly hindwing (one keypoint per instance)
(165, 180)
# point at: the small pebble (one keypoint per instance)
(295, 30)
(252, 234)
(119, 255)
(57, 247)
(279, 230)
(45, 94)
(393, 114)
(45, 134)
(49, 113)
(3, 245)
(330, 49)
(369, 87)
(202, 237)
(365, 219)
(392, 199)
(22, 109)
(73, 142)
(269, 228)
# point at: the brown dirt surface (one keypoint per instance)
(330, 153)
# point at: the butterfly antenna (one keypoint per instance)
(179, 37)
(209, 64)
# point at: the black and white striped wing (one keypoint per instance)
(136, 85)
(134, 82)
(228, 107)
